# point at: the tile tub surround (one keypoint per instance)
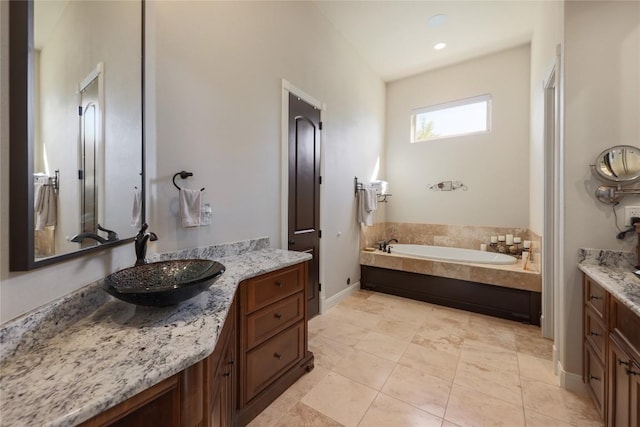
(510, 276)
(458, 236)
(117, 350)
(613, 270)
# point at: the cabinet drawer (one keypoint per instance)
(625, 324)
(272, 287)
(595, 332)
(595, 377)
(263, 324)
(595, 297)
(267, 361)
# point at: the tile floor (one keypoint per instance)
(387, 361)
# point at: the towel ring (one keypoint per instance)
(183, 175)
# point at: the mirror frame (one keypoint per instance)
(21, 149)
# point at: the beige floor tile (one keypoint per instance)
(536, 369)
(446, 423)
(344, 333)
(365, 368)
(493, 333)
(327, 352)
(382, 345)
(559, 403)
(396, 328)
(303, 415)
(448, 313)
(389, 412)
(431, 362)
(495, 382)
(418, 389)
(534, 419)
(340, 398)
(534, 346)
(359, 318)
(274, 412)
(468, 407)
(362, 304)
(441, 335)
(489, 355)
(307, 382)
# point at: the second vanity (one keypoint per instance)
(217, 359)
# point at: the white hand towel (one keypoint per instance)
(136, 209)
(52, 206)
(367, 204)
(190, 202)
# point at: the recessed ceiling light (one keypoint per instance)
(437, 20)
(440, 46)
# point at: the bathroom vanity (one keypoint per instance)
(216, 360)
(611, 344)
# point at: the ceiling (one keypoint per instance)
(395, 39)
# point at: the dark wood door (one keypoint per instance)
(634, 378)
(304, 191)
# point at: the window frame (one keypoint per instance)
(451, 104)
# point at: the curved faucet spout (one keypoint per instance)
(78, 238)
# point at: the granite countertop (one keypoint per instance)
(614, 272)
(63, 372)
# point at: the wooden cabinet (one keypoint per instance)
(176, 401)
(611, 365)
(273, 337)
(220, 376)
(261, 351)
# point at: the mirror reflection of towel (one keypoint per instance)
(190, 201)
(45, 206)
(136, 209)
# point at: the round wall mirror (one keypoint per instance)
(619, 164)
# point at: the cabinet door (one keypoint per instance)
(634, 379)
(619, 398)
(222, 403)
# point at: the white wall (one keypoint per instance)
(215, 73)
(547, 34)
(494, 166)
(602, 106)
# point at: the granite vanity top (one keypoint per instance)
(613, 271)
(61, 373)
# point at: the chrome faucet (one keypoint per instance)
(112, 236)
(141, 243)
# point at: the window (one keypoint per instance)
(464, 117)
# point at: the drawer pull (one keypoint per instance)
(594, 334)
(277, 355)
(592, 297)
(279, 284)
(620, 362)
(230, 362)
(593, 377)
(278, 316)
(226, 374)
(630, 372)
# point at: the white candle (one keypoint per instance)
(494, 239)
(517, 240)
(500, 238)
(483, 247)
(509, 239)
(527, 244)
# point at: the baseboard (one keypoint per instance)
(570, 381)
(326, 304)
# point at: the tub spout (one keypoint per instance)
(384, 246)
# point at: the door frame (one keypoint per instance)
(287, 88)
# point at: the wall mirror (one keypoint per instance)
(617, 166)
(76, 148)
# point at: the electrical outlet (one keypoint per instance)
(630, 212)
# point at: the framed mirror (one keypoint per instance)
(619, 164)
(76, 112)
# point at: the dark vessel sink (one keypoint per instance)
(163, 283)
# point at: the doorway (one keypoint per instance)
(89, 112)
(303, 162)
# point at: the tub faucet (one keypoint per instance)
(112, 236)
(384, 246)
(141, 243)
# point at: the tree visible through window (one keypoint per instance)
(457, 118)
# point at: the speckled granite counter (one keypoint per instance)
(614, 272)
(68, 361)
